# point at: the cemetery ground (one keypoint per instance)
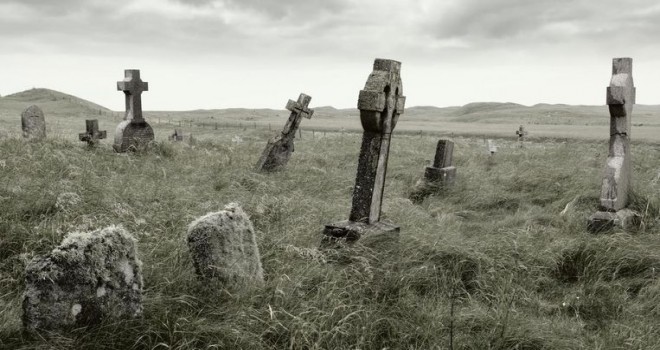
(502, 260)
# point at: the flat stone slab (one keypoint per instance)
(368, 234)
(625, 219)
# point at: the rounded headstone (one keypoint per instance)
(33, 123)
(132, 136)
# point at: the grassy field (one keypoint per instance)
(490, 264)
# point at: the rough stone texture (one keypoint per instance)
(380, 104)
(278, 150)
(92, 135)
(224, 248)
(33, 123)
(89, 277)
(133, 133)
(625, 219)
(177, 135)
(442, 172)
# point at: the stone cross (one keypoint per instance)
(33, 123)
(133, 132)
(278, 150)
(616, 183)
(92, 135)
(442, 172)
(380, 104)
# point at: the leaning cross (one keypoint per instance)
(133, 86)
(298, 110)
(380, 104)
(92, 135)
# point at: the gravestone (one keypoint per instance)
(492, 147)
(522, 133)
(92, 135)
(133, 133)
(278, 150)
(88, 278)
(616, 183)
(380, 104)
(177, 135)
(33, 123)
(224, 248)
(439, 176)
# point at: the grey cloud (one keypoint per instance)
(303, 10)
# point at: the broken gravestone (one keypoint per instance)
(33, 123)
(380, 104)
(617, 183)
(224, 248)
(89, 277)
(92, 135)
(133, 133)
(439, 176)
(278, 150)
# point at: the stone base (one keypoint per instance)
(132, 136)
(440, 176)
(275, 155)
(604, 220)
(368, 234)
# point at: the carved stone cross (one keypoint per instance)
(133, 133)
(279, 149)
(92, 135)
(381, 102)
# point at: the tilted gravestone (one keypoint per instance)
(92, 135)
(133, 133)
(439, 176)
(177, 135)
(33, 123)
(88, 278)
(224, 248)
(278, 150)
(380, 104)
(616, 183)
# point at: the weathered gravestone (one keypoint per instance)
(33, 123)
(278, 150)
(177, 135)
(492, 147)
(522, 133)
(133, 133)
(439, 176)
(380, 104)
(89, 277)
(92, 135)
(224, 248)
(617, 176)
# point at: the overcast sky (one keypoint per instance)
(201, 54)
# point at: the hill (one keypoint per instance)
(52, 102)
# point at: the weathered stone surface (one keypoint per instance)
(92, 135)
(224, 248)
(278, 150)
(625, 219)
(381, 102)
(618, 170)
(372, 235)
(89, 277)
(133, 133)
(521, 132)
(33, 123)
(439, 176)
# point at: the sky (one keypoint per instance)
(206, 54)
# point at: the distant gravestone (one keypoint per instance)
(380, 104)
(133, 133)
(33, 123)
(279, 149)
(177, 135)
(224, 248)
(521, 133)
(92, 135)
(89, 277)
(617, 176)
(492, 147)
(439, 176)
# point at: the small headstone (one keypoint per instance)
(92, 135)
(522, 133)
(133, 133)
(224, 248)
(176, 136)
(33, 123)
(439, 176)
(492, 148)
(616, 183)
(278, 150)
(89, 277)
(380, 104)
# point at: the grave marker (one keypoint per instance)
(177, 135)
(92, 135)
(442, 173)
(133, 132)
(33, 123)
(618, 171)
(380, 104)
(492, 147)
(279, 149)
(521, 132)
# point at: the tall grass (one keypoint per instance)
(488, 264)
